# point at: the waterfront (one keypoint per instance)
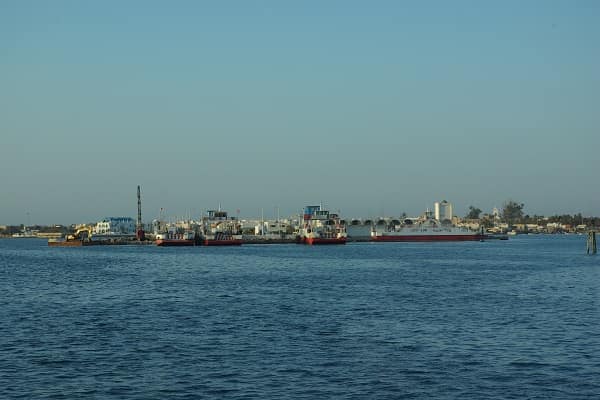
(498, 319)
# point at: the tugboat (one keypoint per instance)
(220, 230)
(321, 227)
(425, 229)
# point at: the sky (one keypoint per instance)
(370, 108)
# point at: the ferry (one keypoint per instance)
(220, 230)
(171, 238)
(171, 235)
(321, 227)
(424, 229)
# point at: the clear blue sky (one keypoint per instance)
(369, 107)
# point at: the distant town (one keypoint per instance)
(510, 219)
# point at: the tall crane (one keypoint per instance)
(139, 226)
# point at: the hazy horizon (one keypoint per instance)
(369, 108)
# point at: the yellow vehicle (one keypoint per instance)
(82, 233)
(81, 237)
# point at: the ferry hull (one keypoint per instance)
(427, 238)
(174, 242)
(313, 241)
(222, 242)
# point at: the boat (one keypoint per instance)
(217, 229)
(173, 238)
(81, 237)
(24, 234)
(495, 236)
(321, 227)
(424, 229)
(171, 235)
(62, 242)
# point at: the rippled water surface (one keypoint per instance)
(499, 319)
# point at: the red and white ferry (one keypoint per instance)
(321, 227)
(425, 229)
(220, 230)
(172, 238)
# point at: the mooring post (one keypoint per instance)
(591, 242)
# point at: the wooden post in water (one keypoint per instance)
(591, 242)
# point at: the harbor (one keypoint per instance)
(317, 225)
(299, 200)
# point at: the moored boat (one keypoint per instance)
(220, 230)
(81, 237)
(169, 234)
(425, 229)
(321, 227)
(495, 236)
(222, 239)
(175, 239)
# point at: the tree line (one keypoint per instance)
(513, 213)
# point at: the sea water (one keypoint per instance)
(495, 319)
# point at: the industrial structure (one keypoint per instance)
(139, 229)
(442, 211)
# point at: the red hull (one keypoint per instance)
(174, 242)
(224, 242)
(428, 238)
(324, 240)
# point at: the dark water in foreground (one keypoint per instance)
(516, 319)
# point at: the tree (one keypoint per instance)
(473, 213)
(487, 222)
(512, 211)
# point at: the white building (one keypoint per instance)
(443, 210)
(115, 226)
